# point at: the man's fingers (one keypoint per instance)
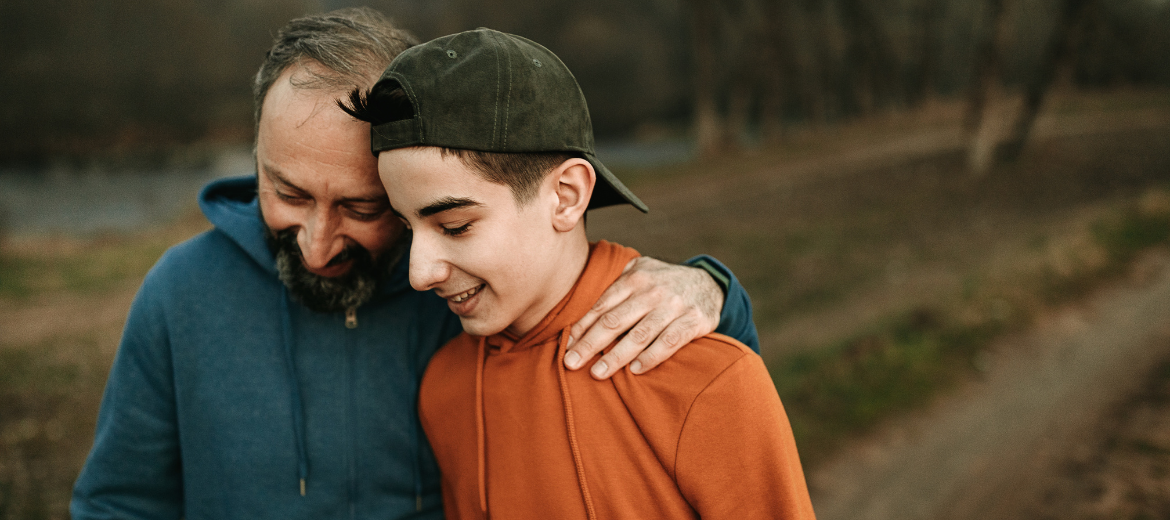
(604, 331)
(630, 346)
(615, 295)
(678, 333)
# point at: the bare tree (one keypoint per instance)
(922, 82)
(1057, 54)
(822, 77)
(704, 27)
(986, 80)
(870, 67)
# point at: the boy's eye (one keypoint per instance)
(456, 231)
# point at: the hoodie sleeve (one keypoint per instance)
(736, 319)
(736, 456)
(133, 470)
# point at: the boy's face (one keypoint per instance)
(472, 244)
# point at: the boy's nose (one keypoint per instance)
(427, 270)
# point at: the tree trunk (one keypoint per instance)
(708, 135)
(821, 78)
(985, 84)
(922, 84)
(1056, 56)
(870, 65)
(779, 69)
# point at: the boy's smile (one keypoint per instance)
(499, 264)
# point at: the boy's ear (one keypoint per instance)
(573, 182)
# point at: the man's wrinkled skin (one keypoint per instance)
(658, 329)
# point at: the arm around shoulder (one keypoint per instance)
(133, 470)
(736, 454)
(735, 319)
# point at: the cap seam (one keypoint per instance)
(507, 102)
(418, 116)
(496, 104)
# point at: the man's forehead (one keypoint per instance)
(306, 142)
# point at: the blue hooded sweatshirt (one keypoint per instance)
(228, 400)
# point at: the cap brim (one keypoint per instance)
(609, 191)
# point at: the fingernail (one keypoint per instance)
(570, 343)
(636, 367)
(573, 360)
(598, 369)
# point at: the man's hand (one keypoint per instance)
(654, 301)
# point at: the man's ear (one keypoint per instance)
(573, 183)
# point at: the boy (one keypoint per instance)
(486, 150)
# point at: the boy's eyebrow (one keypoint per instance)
(445, 204)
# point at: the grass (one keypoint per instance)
(847, 388)
(876, 286)
(92, 270)
(40, 399)
(51, 385)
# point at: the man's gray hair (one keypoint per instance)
(354, 45)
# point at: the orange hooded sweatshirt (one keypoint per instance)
(519, 437)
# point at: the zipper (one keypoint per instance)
(351, 318)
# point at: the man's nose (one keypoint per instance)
(427, 268)
(319, 239)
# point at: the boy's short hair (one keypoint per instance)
(521, 172)
(488, 95)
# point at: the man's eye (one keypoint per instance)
(456, 231)
(365, 215)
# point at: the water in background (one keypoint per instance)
(88, 202)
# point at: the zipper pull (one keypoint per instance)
(351, 318)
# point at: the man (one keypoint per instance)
(270, 367)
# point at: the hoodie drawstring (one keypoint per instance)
(562, 344)
(298, 410)
(481, 363)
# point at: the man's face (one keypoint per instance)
(472, 244)
(320, 196)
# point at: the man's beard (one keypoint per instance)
(330, 294)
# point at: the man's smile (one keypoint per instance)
(331, 270)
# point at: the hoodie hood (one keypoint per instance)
(231, 205)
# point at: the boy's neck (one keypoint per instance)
(571, 260)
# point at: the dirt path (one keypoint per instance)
(978, 452)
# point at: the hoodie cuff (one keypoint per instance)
(736, 318)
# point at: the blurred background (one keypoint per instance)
(952, 217)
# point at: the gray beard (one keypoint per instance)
(330, 294)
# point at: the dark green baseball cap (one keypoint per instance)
(489, 91)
